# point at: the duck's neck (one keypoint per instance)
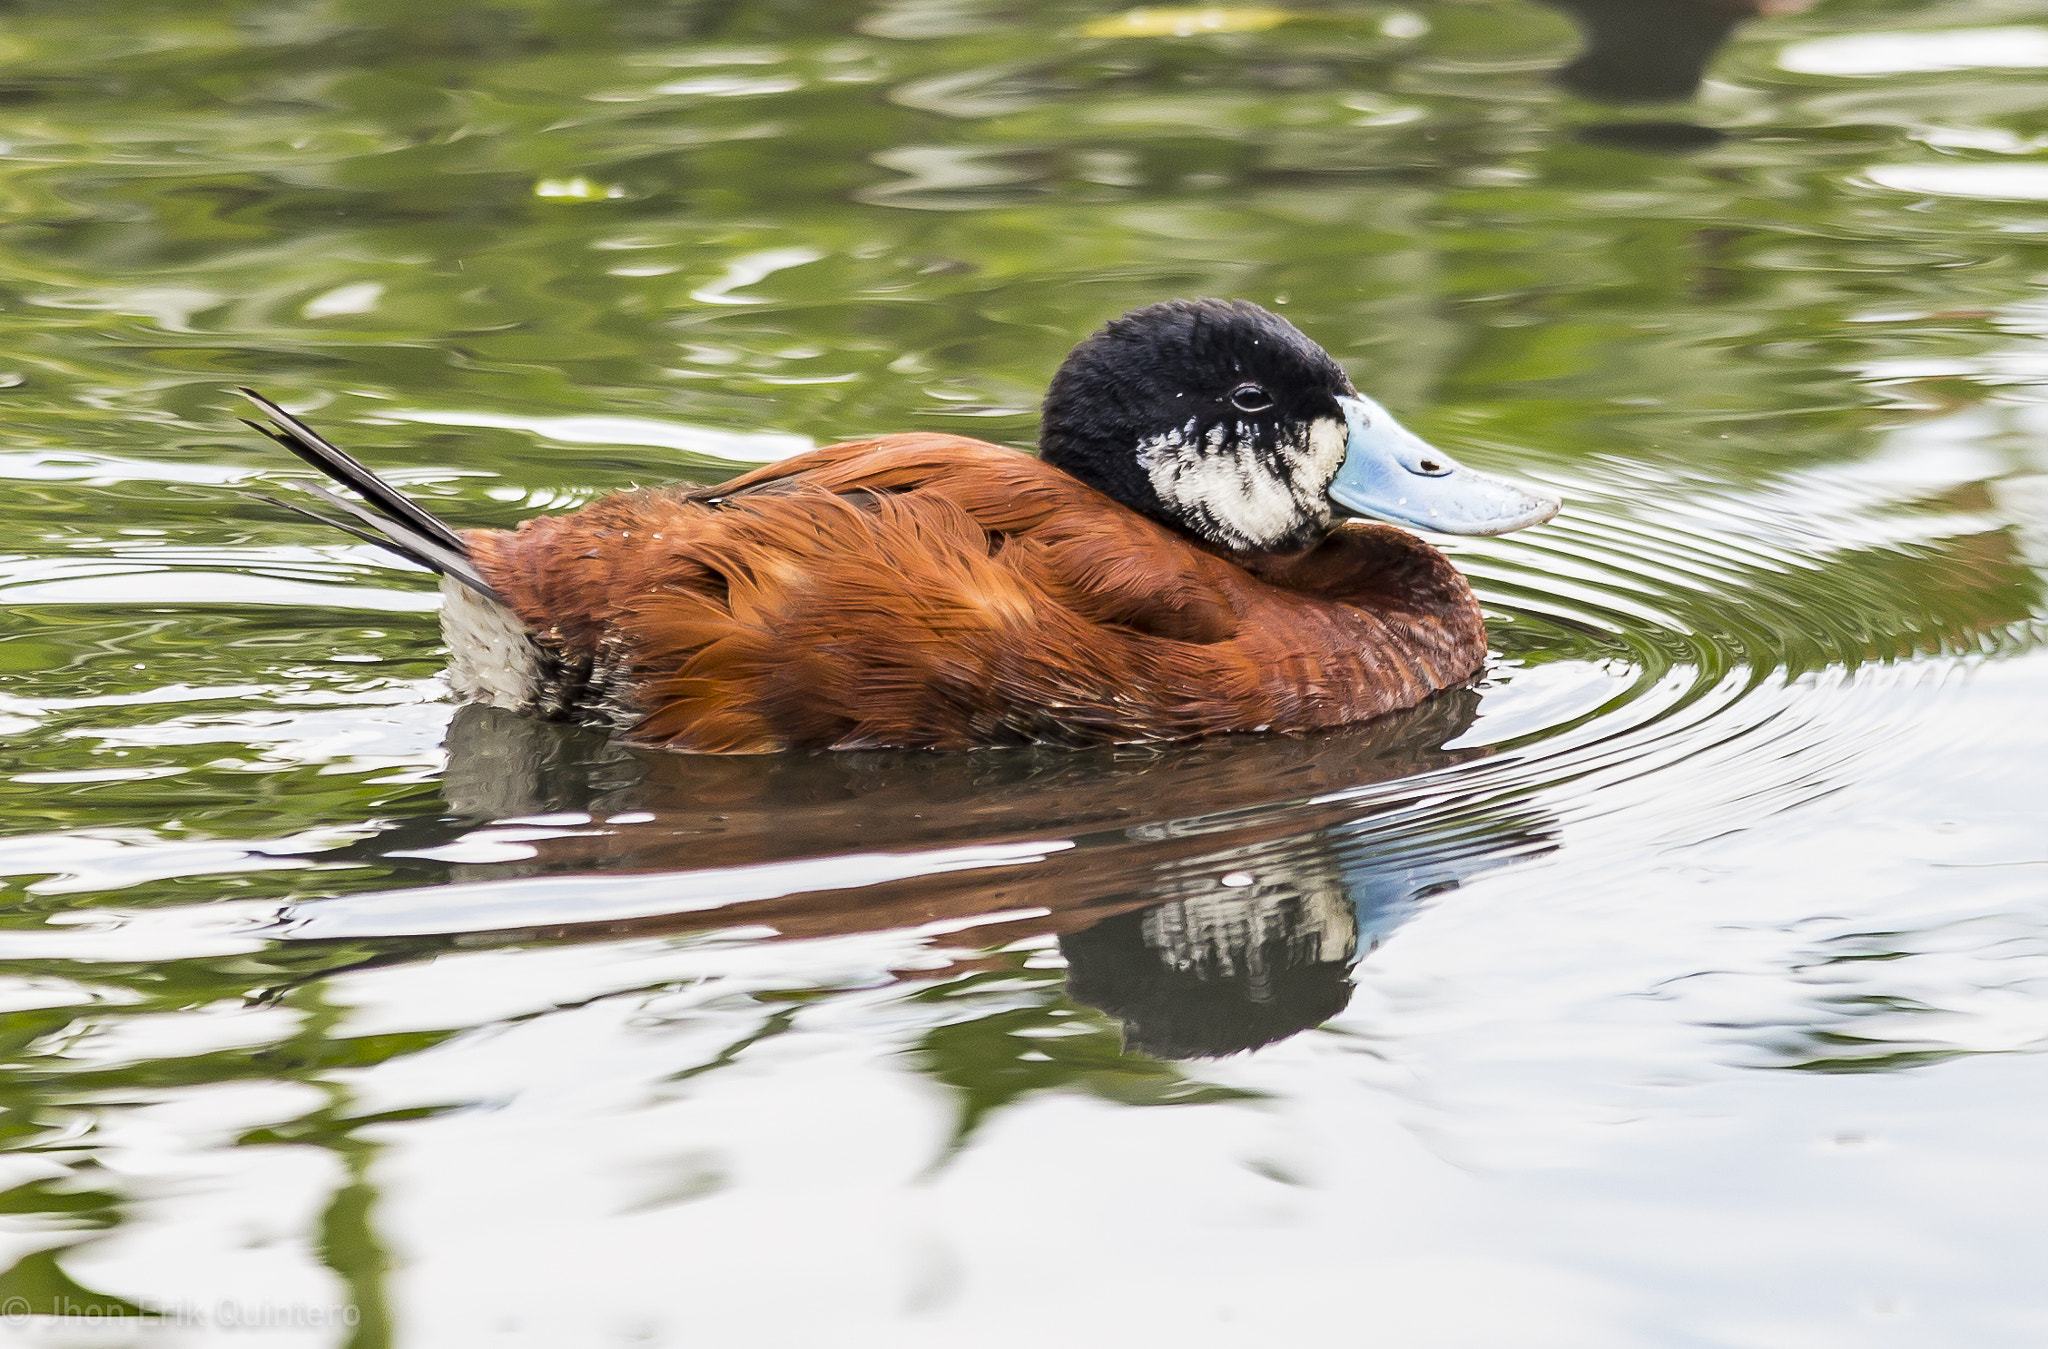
(1108, 467)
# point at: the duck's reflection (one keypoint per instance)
(673, 812)
(1212, 897)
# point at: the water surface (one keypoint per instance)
(1681, 984)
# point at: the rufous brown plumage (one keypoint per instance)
(938, 592)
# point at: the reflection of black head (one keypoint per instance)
(1645, 51)
(1220, 972)
(1223, 968)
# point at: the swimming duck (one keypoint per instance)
(1179, 560)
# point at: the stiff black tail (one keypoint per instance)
(397, 524)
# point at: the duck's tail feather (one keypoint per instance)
(398, 524)
(367, 536)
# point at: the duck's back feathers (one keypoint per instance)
(936, 591)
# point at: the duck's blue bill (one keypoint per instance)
(1392, 474)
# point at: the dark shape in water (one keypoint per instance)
(1651, 51)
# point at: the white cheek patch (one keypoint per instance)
(1328, 439)
(1227, 491)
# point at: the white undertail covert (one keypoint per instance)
(492, 658)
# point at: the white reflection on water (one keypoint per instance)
(1914, 53)
(741, 447)
(536, 901)
(1990, 182)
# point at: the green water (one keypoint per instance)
(1679, 986)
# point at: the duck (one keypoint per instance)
(1214, 537)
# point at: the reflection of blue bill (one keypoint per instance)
(1389, 874)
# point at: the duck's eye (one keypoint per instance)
(1251, 398)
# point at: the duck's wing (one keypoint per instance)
(1110, 565)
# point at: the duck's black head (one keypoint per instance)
(1213, 417)
(1225, 422)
